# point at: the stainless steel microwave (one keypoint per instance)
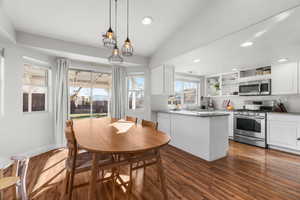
(255, 88)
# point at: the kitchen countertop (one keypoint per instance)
(287, 113)
(198, 113)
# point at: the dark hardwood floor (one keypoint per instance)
(248, 173)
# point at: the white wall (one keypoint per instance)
(21, 132)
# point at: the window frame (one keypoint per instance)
(198, 96)
(128, 90)
(2, 65)
(91, 71)
(48, 88)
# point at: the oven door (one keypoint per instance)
(249, 88)
(249, 126)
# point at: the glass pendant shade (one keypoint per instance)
(127, 49)
(109, 40)
(115, 58)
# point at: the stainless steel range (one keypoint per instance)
(250, 127)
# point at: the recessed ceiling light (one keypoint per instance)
(282, 16)
(147, 20)
(246, 44)
(196, 60)
(282, 60)
(260, 33)
(234, 69)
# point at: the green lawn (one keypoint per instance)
(86, 115)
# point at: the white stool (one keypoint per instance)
(19, 179)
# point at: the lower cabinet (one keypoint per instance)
(164, 123)
(284, 131)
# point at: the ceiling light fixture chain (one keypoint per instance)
(109, 36)
(127, 49)
(110, 39)
(116, 58)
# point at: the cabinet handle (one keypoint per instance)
(298, 138)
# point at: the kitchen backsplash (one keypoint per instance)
(292, 103)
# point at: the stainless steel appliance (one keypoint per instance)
(255, 88)
(250, 127)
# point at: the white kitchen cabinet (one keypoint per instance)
(164, 123)
(230, 125)
(162, 80)
(285, 78)
(284, 131)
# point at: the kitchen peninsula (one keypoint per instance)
(203, 134)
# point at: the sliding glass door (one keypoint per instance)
(89, 93)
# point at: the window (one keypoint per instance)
(89, 93)
(135, 85)
(186, 92)
(35, 88)
(1, 81)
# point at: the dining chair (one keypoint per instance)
(18, 179)
(131, 119)
(77, 162)
(147, 158)
(150, 124)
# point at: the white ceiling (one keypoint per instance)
(83, 21)
(280, 39)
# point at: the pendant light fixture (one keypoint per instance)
(109, 37)
(127, 49)
(115, 58)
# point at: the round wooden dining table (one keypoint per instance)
(104, 135)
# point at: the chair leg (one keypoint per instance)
(161, 175)
(114, 184)
(129, 192)
(70, 185)
(65, 186)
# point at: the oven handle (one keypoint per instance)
(245, 117)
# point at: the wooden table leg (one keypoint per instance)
(93, 179)
(161, 175)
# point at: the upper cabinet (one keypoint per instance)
(162, 80)
(285, 78)
(222, 84)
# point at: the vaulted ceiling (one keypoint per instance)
(84, 21)
(209, 30)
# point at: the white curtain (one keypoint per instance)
(61, 100)
(118, 101)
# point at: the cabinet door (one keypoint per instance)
(164, 123)
(285, 79)
(169, 80)
(157, 80)
(283, 133)
(230, 125)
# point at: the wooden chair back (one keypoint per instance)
(112, 120)
(71, 141)
(150, 124)
(131, 119)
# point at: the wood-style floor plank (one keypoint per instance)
(247, 173)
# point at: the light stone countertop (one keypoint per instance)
(197, 113)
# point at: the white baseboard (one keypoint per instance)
(6, 162)
(284, 149)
